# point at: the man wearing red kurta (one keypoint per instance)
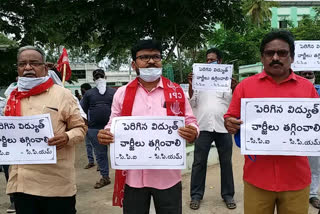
(269, 181)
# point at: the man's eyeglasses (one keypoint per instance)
(32, 64)
(146, 58)
(280, 53)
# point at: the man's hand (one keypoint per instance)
(59, 140)
(232, 124)
(190, 78)
(190, 85)
(189, 133)
(234, 83)
(105, 137)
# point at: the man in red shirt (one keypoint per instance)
(273, 180)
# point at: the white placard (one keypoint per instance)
(212, 77)
(185, 88)
(280, 126)
(144, 142)
(307, 56)
(23, 140)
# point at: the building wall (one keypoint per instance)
(290, 14)
(84, 73)
(249, 70)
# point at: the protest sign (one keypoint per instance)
(307, 56)
(280, 126)
(147, 143)
(212, 77)
(23, 140)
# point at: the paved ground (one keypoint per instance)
(91, 201)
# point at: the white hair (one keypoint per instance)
(29, 47)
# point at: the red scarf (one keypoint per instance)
(175, 104)
(13, 107)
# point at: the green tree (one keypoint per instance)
(8, 58)
(240, 48)
(308, 29)
(115, 25)
(258, 10)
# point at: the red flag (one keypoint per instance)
(64, 60)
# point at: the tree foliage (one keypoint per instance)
(112, 25)
(258, 10)
(8, 58)
(308, 29)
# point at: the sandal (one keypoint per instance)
(89, 165)
(103, 182)
(315, 202)
(230, 203)
(194, 204)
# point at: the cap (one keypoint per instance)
(98, 72)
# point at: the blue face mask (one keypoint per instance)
(214, 62)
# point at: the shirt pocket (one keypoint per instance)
(54, 115)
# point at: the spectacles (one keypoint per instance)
(146, 58)
(32, 64)
(304, 74)
(280, 53)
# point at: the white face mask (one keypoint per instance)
(101, 85)
(150, 74)
(312, 80)
(26, 83)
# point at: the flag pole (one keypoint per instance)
(64, 74)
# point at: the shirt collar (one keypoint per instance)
(292, 76)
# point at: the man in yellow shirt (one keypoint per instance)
(45, 188)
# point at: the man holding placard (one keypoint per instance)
(150, 94)
(270, 181)
(45, 188)
(209, 106)
(314, 161)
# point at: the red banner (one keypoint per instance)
(64, 60)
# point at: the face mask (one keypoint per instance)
(55, 77)
(101, 85)
(26, 83)
(312, 80)
(150, 74)
(11, 87)
(214, 62)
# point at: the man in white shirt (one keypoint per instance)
(209, 108)
(314, 161)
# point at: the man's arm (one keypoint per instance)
(234, 84)
(190, 85)
(231, 123)
(75, 126)
(85, 103)
(191, 130)
(105, 137)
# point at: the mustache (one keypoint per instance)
(28, 72)
(275, 63)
